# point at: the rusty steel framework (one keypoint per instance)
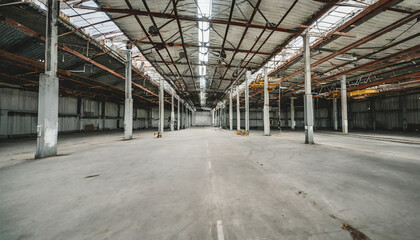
(242, 37)
(364, 64)
(97, 56)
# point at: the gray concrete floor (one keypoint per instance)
(180, 186)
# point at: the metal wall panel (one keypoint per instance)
(91, 108)
(203, 118)
(111, 109)
(18, 100)
(20, 108)
(67, 105)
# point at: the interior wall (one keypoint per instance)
(392, 113)
(202, 118)
(18, 114)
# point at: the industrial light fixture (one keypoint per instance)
(270, 24)
(223, 54)
(153, 31)
(159, 46)
(342, 58)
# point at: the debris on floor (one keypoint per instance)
(92, 176)
(355, 234)
(242, 133)
(158, 134)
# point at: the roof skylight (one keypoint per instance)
(203, 10)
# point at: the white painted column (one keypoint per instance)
(218, 117)
(225, 114)
(238, 110)
(292, 113)
(47, 128)
(128, 106)
(182, 115)
(172, 113)
(308, 102)
(335, 114)
(215, 117)
(344, 121)
(266, 105)
(178, 120)
(188, 117)
(247, 80)
(185, 115)
(221, 116)
(230, 110)
(161, 107)
(212, 117)
(279, 109)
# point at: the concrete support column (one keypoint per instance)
(279, 108)
(172, 113)
(186, 116)
(178, 119)
(335, 114)
(344, 121)
(238, 110)
(161, 107)
(191, 118)
(266, 105)
(221, 116)
(215, 117)
(128, 107)
(218, 117)
(181, 108)
(308, 107)
(230, 110)
(247, 81)
(47, 128)
(182, 115)
(292, 113)
(224, 116)
(212, 117)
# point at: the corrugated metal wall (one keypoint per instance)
(19, 114)
(379, 113)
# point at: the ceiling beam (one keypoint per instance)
(138, 12)
(182, 41)
(161, 39)
(366, 14)
(188, 45)
(170, 81)
(242, 37)
(224, 40)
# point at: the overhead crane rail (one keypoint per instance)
(259, 83)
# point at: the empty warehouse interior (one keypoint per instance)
(210, 119)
